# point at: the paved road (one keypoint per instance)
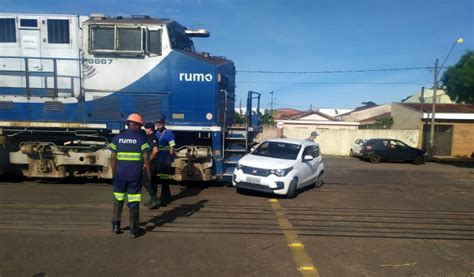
(389, 219)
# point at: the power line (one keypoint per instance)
(335, 71)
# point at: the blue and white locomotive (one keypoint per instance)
(68, 82)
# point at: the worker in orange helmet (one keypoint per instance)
(130, 155)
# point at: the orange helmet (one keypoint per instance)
(135, 118)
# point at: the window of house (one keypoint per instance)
(58, 31)
(7, 30)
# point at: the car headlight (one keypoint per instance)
(239, 166)
(281, 172)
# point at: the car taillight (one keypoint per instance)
(368, 147)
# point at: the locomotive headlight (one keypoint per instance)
(209, 116)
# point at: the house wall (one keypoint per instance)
(463, 140)
(339, 141)
(405, 118)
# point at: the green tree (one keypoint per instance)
(267, 117)
(384, 123)
(368, 104)
(459, 79)
(239, 119)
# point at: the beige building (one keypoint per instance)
(454, 126)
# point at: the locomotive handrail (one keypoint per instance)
(27, 73)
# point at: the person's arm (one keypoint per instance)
(113, 159)
(171, 144)
(154, 152)
(146, 163)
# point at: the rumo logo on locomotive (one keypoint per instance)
(195, 77)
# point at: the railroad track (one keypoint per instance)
(203, 217)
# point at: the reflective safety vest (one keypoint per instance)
(129, 147)
(165, 140)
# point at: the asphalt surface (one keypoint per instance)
(388, 219)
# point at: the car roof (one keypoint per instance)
(293, 141)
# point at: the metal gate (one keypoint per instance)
(442, 140)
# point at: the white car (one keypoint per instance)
(280, 166)
(356, 147)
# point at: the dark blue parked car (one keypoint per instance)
(376, 150)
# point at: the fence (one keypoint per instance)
(339, 141)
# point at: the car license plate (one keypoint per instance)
(253, 180)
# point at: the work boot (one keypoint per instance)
(135, 230)
(154, 203)
(117, 216)
(165, 197)
(116, 227)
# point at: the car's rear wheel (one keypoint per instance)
(418, 159)
(375, 158)
(292, 190)
(319, 180)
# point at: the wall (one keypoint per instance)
(463, 140)
(404, 117)
(338, 141)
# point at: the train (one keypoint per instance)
(68, 83)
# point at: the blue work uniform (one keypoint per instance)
(129, 147)
(164, 140)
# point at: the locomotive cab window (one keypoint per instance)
(124, 40)
(102, 38)
(129, 39)
(154, 42)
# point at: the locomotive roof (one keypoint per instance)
(118, 20)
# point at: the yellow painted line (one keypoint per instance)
(296, 244)
(303, 261)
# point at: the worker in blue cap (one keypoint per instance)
(150, 183)
(166, 143)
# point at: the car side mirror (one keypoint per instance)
(307, 158)
(252, 149)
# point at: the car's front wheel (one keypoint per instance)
(292, 190)
(418, 159)
(375, 158)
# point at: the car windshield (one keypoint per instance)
(279, 150)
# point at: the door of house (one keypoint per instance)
(442, 139)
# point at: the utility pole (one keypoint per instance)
(422, 100)
(433, 110)
(271, 103)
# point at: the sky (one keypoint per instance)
(309, 36)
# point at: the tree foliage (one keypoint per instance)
(459, 79)
(239, 119)
(368, 104)
(267, 117)
(385, 123)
